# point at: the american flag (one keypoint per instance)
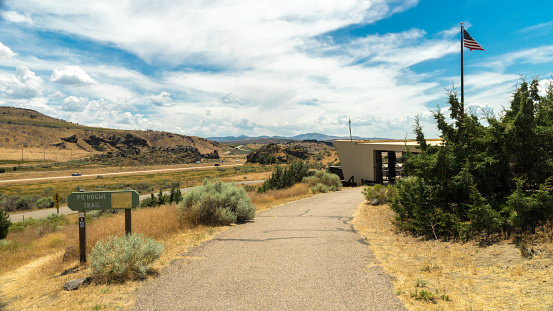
(470, 43)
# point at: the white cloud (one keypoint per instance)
(57, 94)
(224, 33)
(15, 17)
(74, 104)
(71, 75)
(252, 67)
(540, 55)
(163, 99)
(6, 52)
(24, 85)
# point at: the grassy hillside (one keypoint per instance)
(27, 135)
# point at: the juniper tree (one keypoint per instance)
(483, 177)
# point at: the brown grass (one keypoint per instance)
(471, 275)
(35, 277)
(187, 178)
(39, 155)
(273, 198)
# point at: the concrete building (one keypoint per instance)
(362, 161)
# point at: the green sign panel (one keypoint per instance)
(99, 200)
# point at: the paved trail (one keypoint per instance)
(303, 255)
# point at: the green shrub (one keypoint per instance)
(9, 246)
(25, 202)
(216, 202)
(149, 202)
(484, 178)
(319, 188)
(121, 258)
(284, 178)
(5, 223)
(380, 192)
(46, 225)
(2, 169)
(323, 182)
(45, 203)
(47, 191)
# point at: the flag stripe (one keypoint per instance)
(470, 43)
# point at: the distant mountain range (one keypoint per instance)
(308, 136)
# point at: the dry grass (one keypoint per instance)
(472, 276)
(41, 154)
(34, 279)
(187, 178)
(273, 198)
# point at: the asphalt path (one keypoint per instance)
(303, 255)
(64, 209)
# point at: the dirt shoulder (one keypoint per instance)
(437, 275)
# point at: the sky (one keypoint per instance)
(227, 68)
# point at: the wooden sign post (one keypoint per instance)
(101, 200)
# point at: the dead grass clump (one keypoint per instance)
(272, 198)
(26, 246)
(438, 275)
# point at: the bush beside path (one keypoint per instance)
(303, 255)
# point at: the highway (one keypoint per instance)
(119, 173)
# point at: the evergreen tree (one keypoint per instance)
(480, 176)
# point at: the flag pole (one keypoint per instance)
(462, 82)
(350, 138)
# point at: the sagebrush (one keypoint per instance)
(323, 182)
(121, 258)
(379, 192)
(216, 203)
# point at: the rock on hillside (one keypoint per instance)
(273, 153)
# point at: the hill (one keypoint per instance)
(279, 139)
(28, 130)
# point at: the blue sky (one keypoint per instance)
(265, 67)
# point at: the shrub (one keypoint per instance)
(9, 246)
(4, 224)
(284, 178)
(47, 191)
(323, 182)
(379, 192)
(25, 202)
(120, 258)
(149, 202)
(45, 225)
(216, 202)
(2, 169)
(319, 188)
(483, 178)
(8, 203)
(45, 203)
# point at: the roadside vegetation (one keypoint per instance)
(435, 275)
(471, 228)
(282, 178)
(216, 203)
(322, 182)
(38, 195)
(485, 179)
(39, 254)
